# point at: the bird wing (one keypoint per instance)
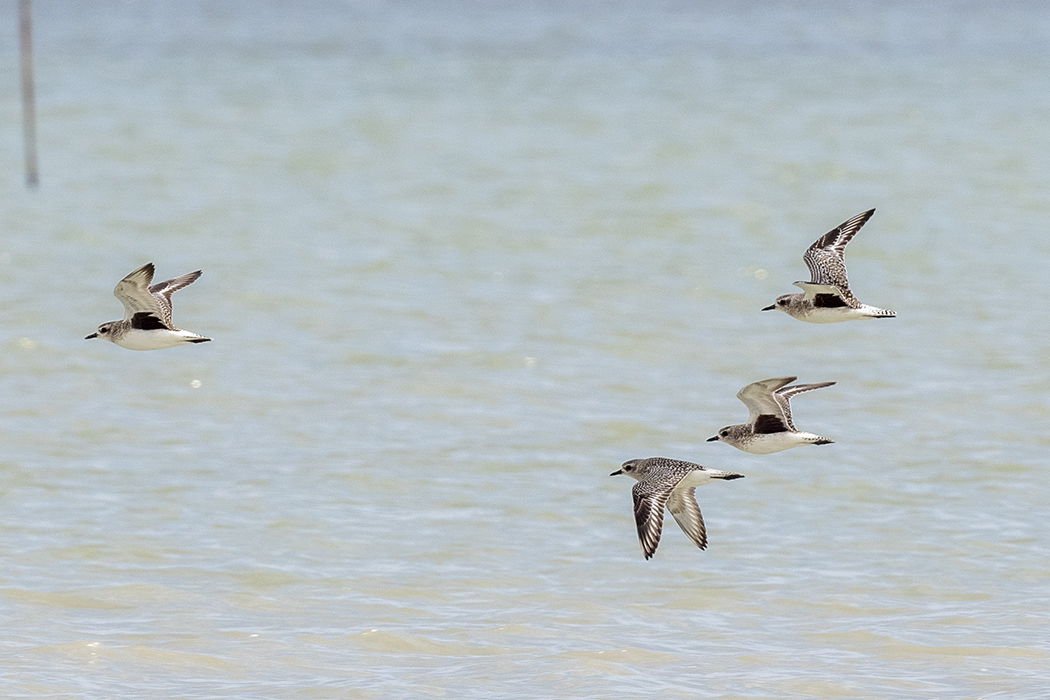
(162, 291)
(134, 293)
(783, 397)
(826, 257)
(827, 296)
(649, 505)
(760, 400)
(686, 512)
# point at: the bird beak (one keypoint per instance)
(712, 439)
(93, 335)
(617, 472)
(770, 308)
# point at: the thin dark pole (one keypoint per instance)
(25, 8)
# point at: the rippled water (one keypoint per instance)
(460, 261)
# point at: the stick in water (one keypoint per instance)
(28, 93)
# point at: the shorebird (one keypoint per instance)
(827, 297)
(668, 483)
(147, 313)
(769, 427)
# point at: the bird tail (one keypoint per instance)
(728, 476)
(875, 312)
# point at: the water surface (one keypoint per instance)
(460, 261)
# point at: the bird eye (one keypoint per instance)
(724, 433)
(103, 331)
(627, 469)
(781, 302)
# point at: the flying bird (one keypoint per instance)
(147, 313)
(769, 427)
(669, 483)
(827, 297)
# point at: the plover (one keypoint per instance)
(147, 313)
(827, 298)
(769, 428)
(671, 483)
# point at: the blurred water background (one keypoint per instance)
(462, 259)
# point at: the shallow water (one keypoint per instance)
(460, 261)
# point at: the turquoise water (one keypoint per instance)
(462, 260)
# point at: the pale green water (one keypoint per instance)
(460, 261)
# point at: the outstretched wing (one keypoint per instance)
(762, 406)
(686, 512)
(826, 257)
(134, 293)
(783, 397)
(162, 292)
(649, 503)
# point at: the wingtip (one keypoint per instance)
(147, 270)
(819, 385)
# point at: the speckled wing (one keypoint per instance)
(760, 400)
(686, 512)
(162, 292)
(650, 498)
(134, 293)
(783, 397)
(826, 257)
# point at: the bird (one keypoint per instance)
(769, 427)
(671, 483)
(147, 313)
(827, 297)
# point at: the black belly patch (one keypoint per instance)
(768, 423)
(829, 301)
(145, 321)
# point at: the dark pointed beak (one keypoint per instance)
(617, 472)
(770, 308)
(712, 439)
(93, 335)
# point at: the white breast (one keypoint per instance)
(768, 443)
(150, 340)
